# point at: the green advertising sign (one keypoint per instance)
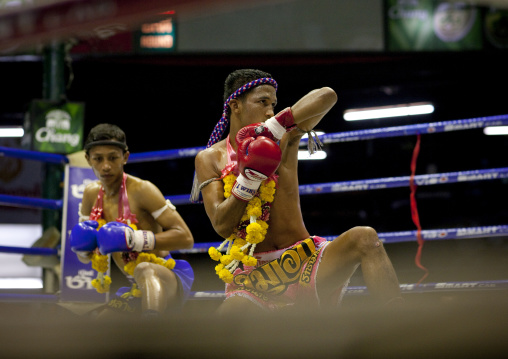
(54, 127)
(423, 25)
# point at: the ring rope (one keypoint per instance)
(41, 251)
(30, 202)
(348, 136)
(318, 188)
(401, 236)
(33, 155)
(387, 237)
(165, 154)
(404, 288)
(388, 182)
(403, 181)
(490, 285)
(408, 130)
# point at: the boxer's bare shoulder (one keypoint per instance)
(210, 162)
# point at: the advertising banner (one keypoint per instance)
(76, 277)
(432, 25)
(54, 127)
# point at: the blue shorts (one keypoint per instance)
(130, 304)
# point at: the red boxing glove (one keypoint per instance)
(273, 128)
(258, 159)
(285, 119)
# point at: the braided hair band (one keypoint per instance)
(221, 126)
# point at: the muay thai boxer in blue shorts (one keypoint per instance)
(130, 219)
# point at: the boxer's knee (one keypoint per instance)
(143, 270)
(365, 239)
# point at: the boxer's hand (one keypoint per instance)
(119, 237)
(83, 239)
(273, 128)
(258, 159)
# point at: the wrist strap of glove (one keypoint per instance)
(244, 189)
(143, 241)
(275, 128)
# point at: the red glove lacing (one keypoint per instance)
(414, 211)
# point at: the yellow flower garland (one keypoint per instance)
(151, 258)
(100, 263)
(255, 231)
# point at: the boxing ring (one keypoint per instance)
(419, 235)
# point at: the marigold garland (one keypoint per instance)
(250, 232)
(102, 282)
(134, 292)
(151, 258)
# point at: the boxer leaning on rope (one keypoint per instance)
(249, 186)
(130, 218)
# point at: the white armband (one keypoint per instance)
(156, 214)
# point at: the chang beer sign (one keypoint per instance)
(432, 25)
(55, 128)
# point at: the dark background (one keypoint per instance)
(170, 102)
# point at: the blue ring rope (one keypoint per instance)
(404, 288)
(387, 237)
(403, 181)
(30, 251)
(350, 136)
(352, 290)
(319, 188)
(33, 155)
(165, 155)
(387, 182)
(369, 134)
(407, 130)
(30, 202)
(402, 236)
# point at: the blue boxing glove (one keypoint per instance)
(83, 237)
(119, 237)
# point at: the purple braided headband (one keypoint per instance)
(220, 127)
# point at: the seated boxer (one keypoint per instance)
(249, 186)
(130, 219)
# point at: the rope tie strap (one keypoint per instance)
(207, 182)
(314, 144)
